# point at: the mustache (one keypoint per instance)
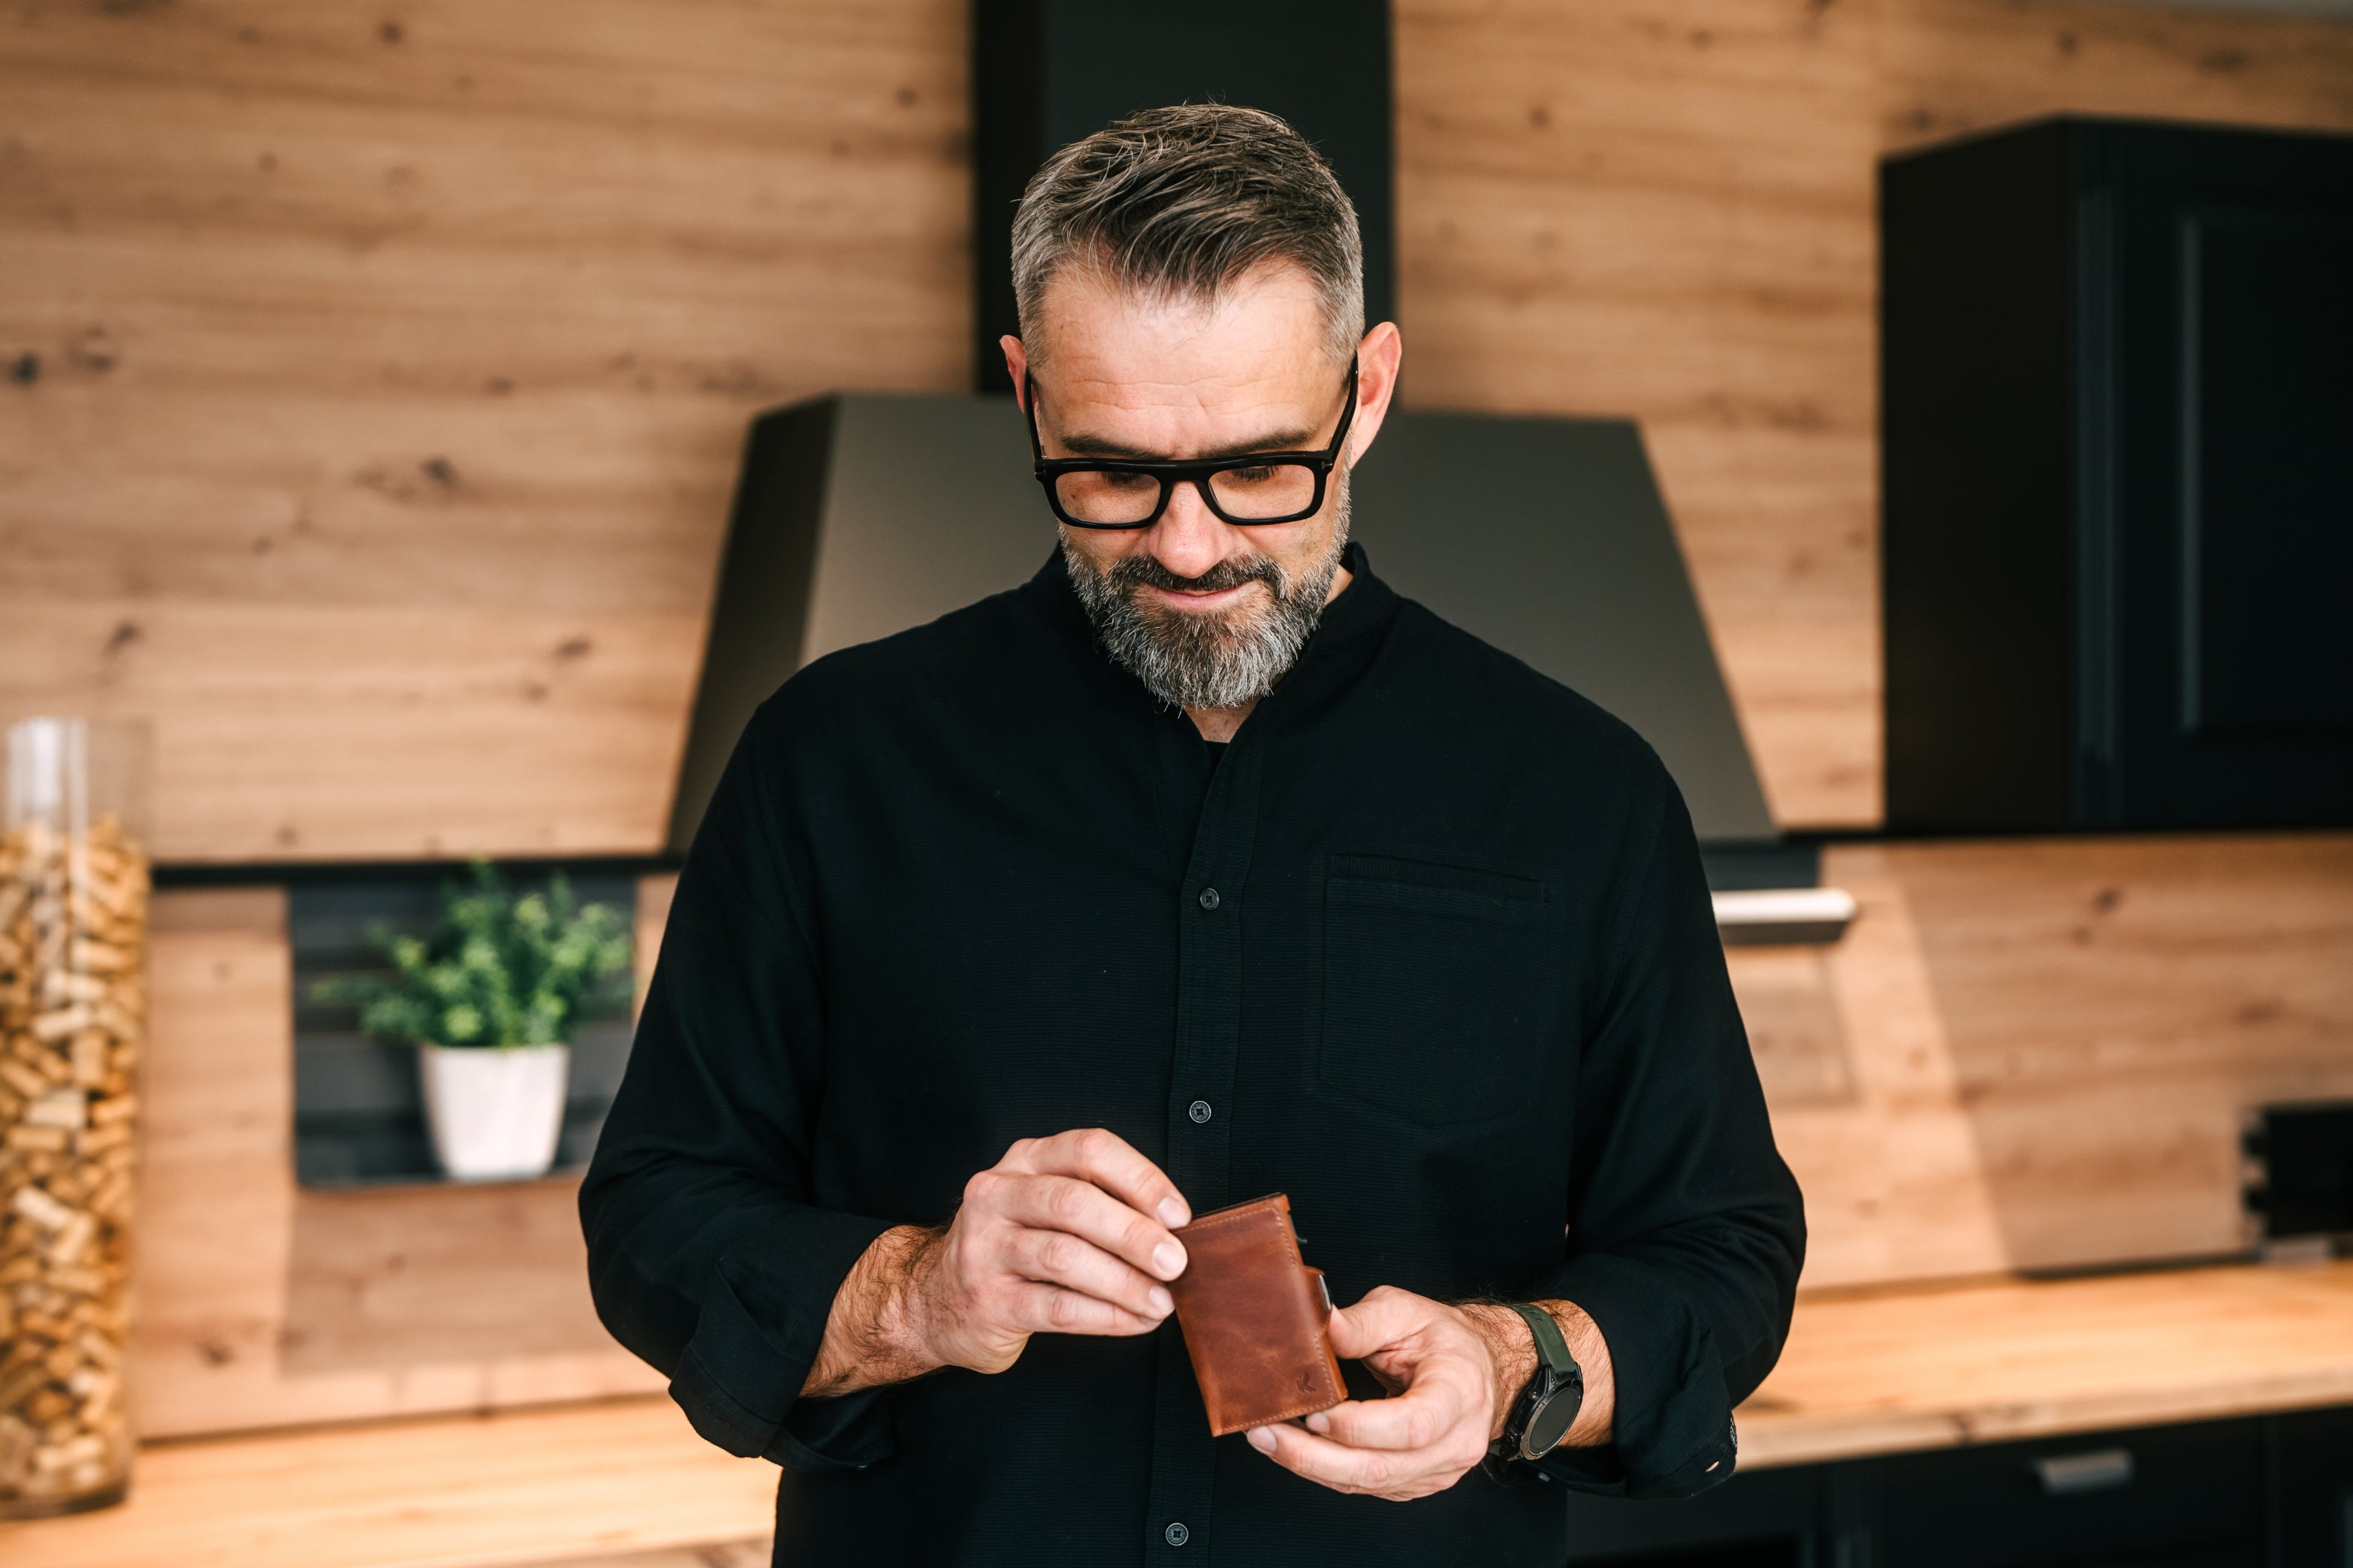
(1147, 572)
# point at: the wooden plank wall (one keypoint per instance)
(1665, 208)
(374, 380)
(376, 371)
(261, 1304)
(2036, 1055)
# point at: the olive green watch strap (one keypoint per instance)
(1552, 1345)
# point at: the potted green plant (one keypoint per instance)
(490, 1001)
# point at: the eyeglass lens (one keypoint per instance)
(1258, 491)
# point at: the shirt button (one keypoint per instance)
(1198, 1110)
(1177, 1534)
(1208, 898)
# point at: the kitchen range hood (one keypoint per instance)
(1546, 537)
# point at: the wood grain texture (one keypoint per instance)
(1890, 1371)
(262, 1304)
(1865, 1372)
(756, 1552)
(375, 375)
(2036, 1055)
(1665, 208)
(589, 1480)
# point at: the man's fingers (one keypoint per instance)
(1051, 1310)
(1058, 1257)
(1340, 1467)
(1383, 1316)
(1112, 1163)
(1086, 1211)
(1321, 1459)
(1414, 1419)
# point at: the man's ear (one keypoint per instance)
(1379, 355)
(1017, 365)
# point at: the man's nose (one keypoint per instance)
(1189, 539)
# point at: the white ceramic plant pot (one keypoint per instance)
(495, 1113)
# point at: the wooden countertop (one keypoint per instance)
(1889, 1370)
(522, 1486)
(1866, 1372)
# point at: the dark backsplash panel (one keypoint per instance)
(359, 1115)
(2307, 1158)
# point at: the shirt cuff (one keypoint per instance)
(1673, 1419)
(762, 1318)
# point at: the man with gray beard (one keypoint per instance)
(1196, 660)
(1200, 867)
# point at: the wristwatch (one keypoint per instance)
(1548, 1403)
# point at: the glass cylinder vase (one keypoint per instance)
(73, 1012)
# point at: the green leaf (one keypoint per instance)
(503, 968)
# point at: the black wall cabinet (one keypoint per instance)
(2117, 408)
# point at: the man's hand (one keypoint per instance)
(1439, 1367)
(1065, 1235)
(1454, 1372)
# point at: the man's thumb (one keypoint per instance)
(1358, 1330)
(1347, 1335)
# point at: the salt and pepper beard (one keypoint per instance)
(1209, 658)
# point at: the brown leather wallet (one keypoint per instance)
(1254, 1317)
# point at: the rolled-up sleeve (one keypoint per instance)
(1687, 1230)
(708, 1255)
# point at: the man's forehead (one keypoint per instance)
(1266, 326)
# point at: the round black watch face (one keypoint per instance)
(1551, 1422)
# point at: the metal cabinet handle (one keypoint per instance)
(2096, 1470)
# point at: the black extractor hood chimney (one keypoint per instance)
(1047, 72)
(1547, 537)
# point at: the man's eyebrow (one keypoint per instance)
(1085, 445)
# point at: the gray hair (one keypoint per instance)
(1181, 202)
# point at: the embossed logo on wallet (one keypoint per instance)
(1254, 1317)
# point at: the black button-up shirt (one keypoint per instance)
(1430, 950)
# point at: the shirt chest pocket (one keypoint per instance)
(1437, 988)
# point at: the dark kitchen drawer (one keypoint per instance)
(1758, 1518)
(2160, 1494)
(2315, 1450)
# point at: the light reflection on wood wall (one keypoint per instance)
(376, 373)
(374, 381)
(1665, 208)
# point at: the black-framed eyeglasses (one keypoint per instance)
(1250, 490)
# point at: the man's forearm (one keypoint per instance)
(870, 1335)
(872, 1338)
(1513, 1348)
